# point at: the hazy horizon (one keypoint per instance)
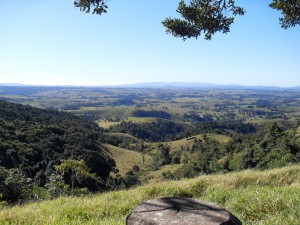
(149, 84)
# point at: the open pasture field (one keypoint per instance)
(117, 104)
(126, 159)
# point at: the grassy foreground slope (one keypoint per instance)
(255, 197)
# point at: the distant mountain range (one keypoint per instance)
(200, 85)
(12, 84)
(172, 85)
(165, 85)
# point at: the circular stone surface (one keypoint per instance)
(165, 211)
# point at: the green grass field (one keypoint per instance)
(176, 145)
(106, 124)
(126, 159)
(255, 197)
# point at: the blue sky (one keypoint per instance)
(50, 42)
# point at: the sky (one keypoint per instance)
(51, 42)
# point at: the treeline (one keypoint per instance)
(224, 126)
(167, 130)
(78, 105)
(151, 113)
(34, 141)
(161, 130)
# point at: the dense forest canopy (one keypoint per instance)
(33, 141)
(205, 17)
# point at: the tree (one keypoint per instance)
(290, 10)
(77, 174)
(164, 155)
(205, 17)
(14, 185)
(131, 179)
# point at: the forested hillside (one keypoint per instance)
(106, 144)
(248, 146)
(35, 141)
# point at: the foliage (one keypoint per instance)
(120, 140)
(99, 6)
(222, 125)
(167, 130)
(290, 10)
(206, 17)
(56, 186)
(33, 141)
(151, 113)
(76, 174)
(14, 185)
(203, 16)
(131, 179)
(162, 156)
(160, 130)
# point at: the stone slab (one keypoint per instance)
(185, 211)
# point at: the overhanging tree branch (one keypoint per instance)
(290, 10)
(98, 6)
(205, 17)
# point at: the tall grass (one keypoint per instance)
(255, 197)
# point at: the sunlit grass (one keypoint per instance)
(269, 197)
(156, 175)
(126, 159)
